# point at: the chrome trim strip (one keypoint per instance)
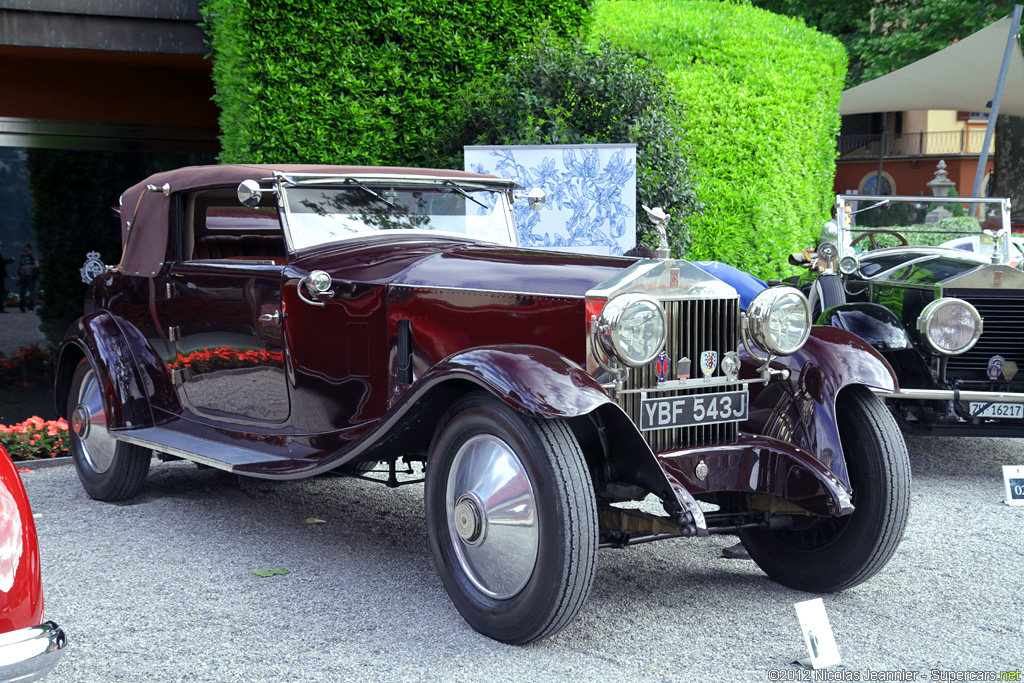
(951, 395)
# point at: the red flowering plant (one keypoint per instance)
(224, 358)
(35, 438)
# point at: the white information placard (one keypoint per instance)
(1013, 477)
(821, 644)
(591, 193)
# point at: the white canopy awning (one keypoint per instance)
(962, 76)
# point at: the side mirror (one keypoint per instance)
(535, 198)
(249, 193)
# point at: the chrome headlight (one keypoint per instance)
(779, 320)
(631, 329)
(848, 265)
(950, 326)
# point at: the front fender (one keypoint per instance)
(801, 410)
(129, 371)
(531, 379)
(873, 323)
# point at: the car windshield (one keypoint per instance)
(318, 215)
(976, 225)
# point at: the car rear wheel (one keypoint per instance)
(109, 469)
(512, 519)
(822, 555)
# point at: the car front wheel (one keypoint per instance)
(109, 469)
(822, 555)
(512, 519)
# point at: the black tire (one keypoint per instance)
(110, 470)
(827, 291)
(831, 554)
(517, 567)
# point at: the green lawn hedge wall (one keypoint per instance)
(357, 82)
(761, 94)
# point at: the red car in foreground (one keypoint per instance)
(286, 321)
(29, 647)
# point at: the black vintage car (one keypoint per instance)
(934, 285)
(287, 321)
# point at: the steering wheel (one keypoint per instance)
(871, 234)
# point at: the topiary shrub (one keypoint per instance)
(761, 93)
(562, 93)
(369, 82)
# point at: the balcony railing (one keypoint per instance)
(944, 143)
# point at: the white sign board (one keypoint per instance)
(591, 193)
(821, 644)
(1013, 477)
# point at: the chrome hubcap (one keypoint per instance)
(492, 516)
(468, 520)
(89, 425)
(80, 422)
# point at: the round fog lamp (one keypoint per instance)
(950, 326)
(631, 329)
(779, 320)
(848, 265)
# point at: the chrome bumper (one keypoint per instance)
(30, 653)
(952, 395)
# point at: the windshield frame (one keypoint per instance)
(846, 231)
(377, 182)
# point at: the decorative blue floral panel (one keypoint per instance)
(591, 193)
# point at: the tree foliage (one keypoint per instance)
(884, 36)
(562, 93)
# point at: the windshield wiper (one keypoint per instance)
(465, 194)
(375, 195)
(878, 205)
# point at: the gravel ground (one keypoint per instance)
(160, 589)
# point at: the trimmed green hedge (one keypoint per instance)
(367, 82)
(558, 92)
(761, 93)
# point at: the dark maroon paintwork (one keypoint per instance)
(324, 383)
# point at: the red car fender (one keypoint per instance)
(801, 410)
(130, 371)
(21, 592)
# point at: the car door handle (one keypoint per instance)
(274, 317)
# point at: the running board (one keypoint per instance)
(203, 451)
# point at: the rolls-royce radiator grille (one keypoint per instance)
(1002, 313)
(694, 326)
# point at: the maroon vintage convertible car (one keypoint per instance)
(285, 321)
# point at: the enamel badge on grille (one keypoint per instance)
(995, 367)
(683, 368)
(661, 365)
(708, 362)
